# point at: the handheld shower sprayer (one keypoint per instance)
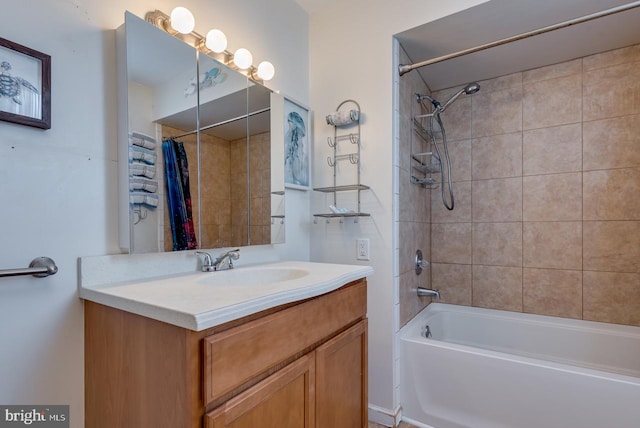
(434, 119)
(471, 88)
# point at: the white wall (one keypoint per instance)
(58, 187)
(351, 56)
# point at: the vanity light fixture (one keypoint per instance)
(182, 20)
(243, 59)
(266, 70)
(181, 24)
(216, 41)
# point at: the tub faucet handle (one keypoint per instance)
(421, 263)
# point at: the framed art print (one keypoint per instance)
(25, 85)
(296, 145)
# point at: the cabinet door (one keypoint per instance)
(286, 399)
(341, 380)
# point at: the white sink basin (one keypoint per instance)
(198, 301)
(252, 276)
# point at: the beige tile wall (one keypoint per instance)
(546, 165)
(414, 201)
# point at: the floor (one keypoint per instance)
(402, 425)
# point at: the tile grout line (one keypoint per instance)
(522, 194)
(582, 185)
(471, 196)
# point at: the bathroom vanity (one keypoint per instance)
(301, 363)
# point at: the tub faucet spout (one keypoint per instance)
(425, 292)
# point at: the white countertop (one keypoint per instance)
(198, 301)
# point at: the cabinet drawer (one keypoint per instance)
(237, 355)
(286, 399)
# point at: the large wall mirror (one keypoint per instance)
(201, 148)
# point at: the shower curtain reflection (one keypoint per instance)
(176, 168)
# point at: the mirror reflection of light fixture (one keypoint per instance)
(182, 20)
(181, 24)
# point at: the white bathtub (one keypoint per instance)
(493, 369)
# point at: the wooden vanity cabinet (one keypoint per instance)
(298, 365)
(324, 388)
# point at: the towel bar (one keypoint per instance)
(39, 267)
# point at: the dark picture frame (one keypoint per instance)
(25, 85)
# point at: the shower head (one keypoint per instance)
(471, 88)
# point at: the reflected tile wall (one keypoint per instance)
(215, 178)
(223, 195)
(260, 185)
(548, 214)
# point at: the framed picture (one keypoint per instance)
(25, 85)
(296, 145)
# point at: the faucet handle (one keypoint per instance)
(234, 254)
(207, 261)
(229, 256)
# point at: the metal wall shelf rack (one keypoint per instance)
(340, 134)
(424, 163)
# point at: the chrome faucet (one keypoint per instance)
(223, 262)
(425, 292)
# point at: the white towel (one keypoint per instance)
(139, 168)
(142, 140)
(343, 117)
(141, 154)
(139, 183)
(141, 198)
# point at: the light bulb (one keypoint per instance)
(243, 58)
(266, 70)
(216, 41)
(182, 20)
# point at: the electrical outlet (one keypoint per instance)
(362, 249)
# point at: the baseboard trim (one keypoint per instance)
(386, 417)
(416, 423)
